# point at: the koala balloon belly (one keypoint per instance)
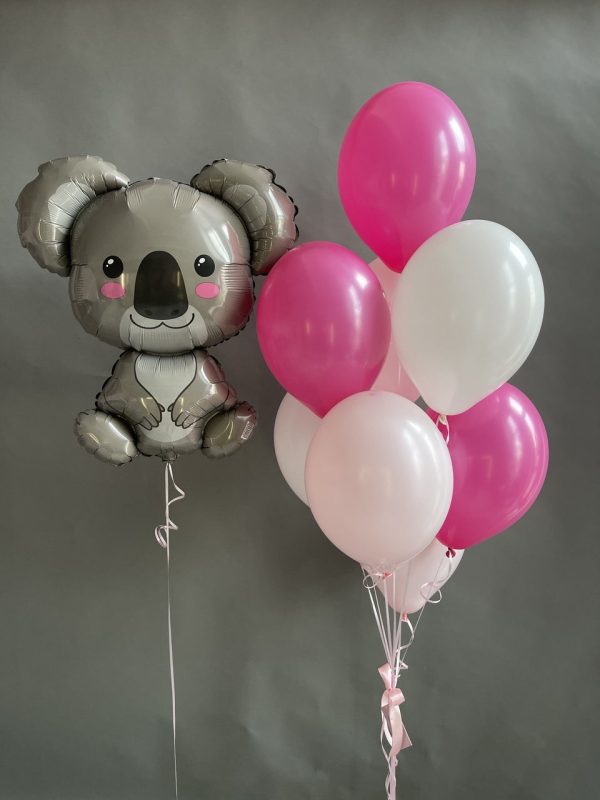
(165, 378)
(174, 404)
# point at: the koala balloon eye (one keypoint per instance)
(113, 267)
(204, 265)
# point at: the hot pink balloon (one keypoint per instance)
(323, 324)
(499, 452)
(406, 169)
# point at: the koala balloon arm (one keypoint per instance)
(207, 393)
(123, 395)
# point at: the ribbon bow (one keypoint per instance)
(392, 727)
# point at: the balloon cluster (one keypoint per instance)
(449, 311)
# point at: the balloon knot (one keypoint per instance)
(450, 552)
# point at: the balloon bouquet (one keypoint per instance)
(400, 490)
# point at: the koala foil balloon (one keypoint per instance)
(162, 270)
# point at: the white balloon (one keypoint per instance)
(392, 377)
(378, 478)
(295, 426)
(466, 313)
(417, 580)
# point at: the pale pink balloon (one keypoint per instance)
(392, 376)
(499, 452)
(412, 584)
(406, 169)
(378, 478)
(323, 324)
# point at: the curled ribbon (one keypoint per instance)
(161, 532)
(392, 727)
(432, 588)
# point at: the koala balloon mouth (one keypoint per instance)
(162, 324)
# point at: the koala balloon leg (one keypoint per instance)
(106, 437)
(165, 406)
(227, 431)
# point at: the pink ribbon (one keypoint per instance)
(392, 727)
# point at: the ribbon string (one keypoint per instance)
(393, 736)
(392, 727)
(163, 537)
(390, 622)
(432, 588)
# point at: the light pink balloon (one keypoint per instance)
(378, 478)
(414, 582)
(323, 324)
(499, 452)
(406, 169)
(392, 376)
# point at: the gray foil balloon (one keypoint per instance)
(162, 270)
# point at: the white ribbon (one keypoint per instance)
(162, 534)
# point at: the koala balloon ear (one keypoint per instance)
(265, 208)
(49, 205)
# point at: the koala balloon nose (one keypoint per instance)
(159, 287)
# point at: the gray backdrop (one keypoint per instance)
(276, 649)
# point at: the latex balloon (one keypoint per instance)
(295, 426)
(323, 324)
(499, 452)
(386, 277)
(392, 376)
(467, 313)
(163, 271)
(378, 478)
(414, 582)
(406, 169)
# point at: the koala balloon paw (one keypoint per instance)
(162, 270)
(228, 430)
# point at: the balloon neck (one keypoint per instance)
(450, 552)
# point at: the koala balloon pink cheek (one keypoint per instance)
(112, 290)
(207, 290)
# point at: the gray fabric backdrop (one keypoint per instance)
(275, 646)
